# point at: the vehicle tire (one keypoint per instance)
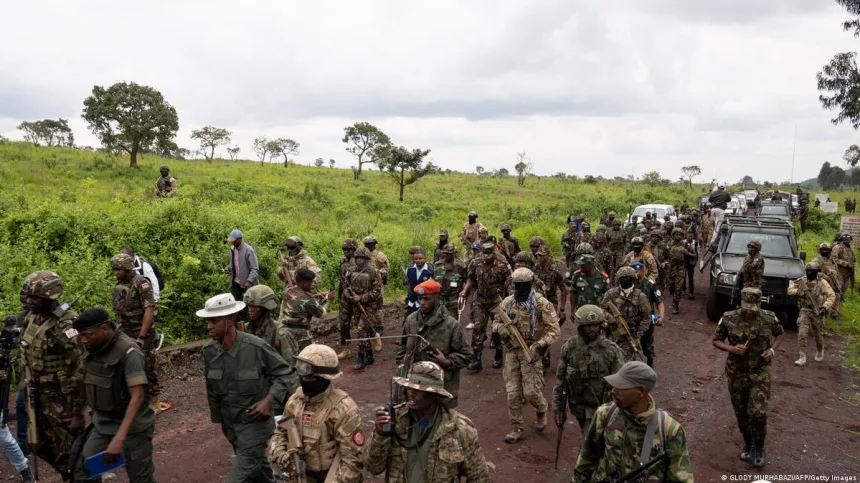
(716, 306)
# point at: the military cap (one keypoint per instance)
(90, 318)
(824, 246)
(587, 258)
(362, 252)
(625, 272)
(633, 374)
(505, 227)
(584, 247)
(449, 248)
(305, 274)
(637, 266)
(369, 239)
(637, 241)
(429, 287)
(349, 243)
(164, 167)
(524, 257)
(543, 251)
(319, 360)
(751, 298)
(425, 376)
(443, 232)
(472, 213)
(754, 243)
(260, 296)
(488, 245)
(293, 241)
(122, 260)
(522, 275)
(589, 315)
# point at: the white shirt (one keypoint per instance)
(147, 271)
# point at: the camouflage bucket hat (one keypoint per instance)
(292, 241)
(543, 251)
(369, 239)
(319, 360)
(425, 376)
(625, 272)
(589, 315)
(260, 296)
(522, 275)
(449, 249)
(349, 243)
(362, 252)
(122, 261)
(45, 283)
(751, 298)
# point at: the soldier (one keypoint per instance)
(675, 273)
(568, 244)
(661, 256)
(344, 313)
(607, 451)
(649, 221)
(488, 276)
(551, 273)
(691, 256)
(245, 377)
(299, 306)
(535, 243)
(585, 360)
(434, 323)
(655, 297)
(534, 317)
(639, 254)
(830, 272)
(297, 257)
(803, 216)
(261, 304)
(631, 231)
(410, 453)
(50, 358)
(469, 233)
(753, 337)
(522, 260)
(587, 284)
(752, 269)
(510, 244)
(134, 308)
(615, 241)
(380, 264)
(450, 272)
(438, 250)
(633, 310)
(116, 387)
(843, 257)
(364, 287)
(584, 235)
(166, 185)
(602, 255)
(815, 298)
(685, 208)
(604, 216)
(322, 422)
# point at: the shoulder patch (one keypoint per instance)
(130, 350)
(358, 437)
(71, 333)
(606, 275)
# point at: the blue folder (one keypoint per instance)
(96, 464)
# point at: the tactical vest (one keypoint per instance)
(320, 446)
(586, 369)
(615, 239)
(125, 306)
(550, 278)
(105, 381)
(33, 348)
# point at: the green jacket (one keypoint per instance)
(581, 368)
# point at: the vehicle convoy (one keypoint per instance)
(782, 264)
(742, 203)
(734, 206)
(659, 211)
(774, 209)
(753, 198)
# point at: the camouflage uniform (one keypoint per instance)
(647, 259)
(469, 233)
(451, 279)
(130, 299)
(291, 263)
(266, 329)
(830, 272)
(367, 284)
(753, 271)
(615, 242)
(527, 260)
(297, 310)
(707, 228)
(843, 257)
(649, 222)
(50, 360)
(344, 313)
(636, 311)
(748, 375)
(811, 295)
(661, 256)
(381, 265)
(655, 296)
(611, 446)
(602, 255)
(569, 240)
(510, 246)
(552, 277)
(581, 368)
(166, 185)
(675, 273)
(489, 279)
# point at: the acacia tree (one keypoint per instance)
(211, 137)
(368, 144)
(51, 132)
(233, 152)
(319, 162)
(331, 163)
(690, 172)
(399, 161)
(284, 147)
(261, 148)
(130, 117)
(479, 169)
(502, 172)
(523, 167)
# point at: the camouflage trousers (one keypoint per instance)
(366, 321)
(617, 260)
(523, 383)
(377, 322)
(148, 350)
(808, 321)
(55, 434)
(480, 316)
(676, 279)
(303, 337)
(750, 393)
(344, 319)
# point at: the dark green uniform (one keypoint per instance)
(118, 366)
(237, 378)
(589, 289)
(655, 296)
(452, 281)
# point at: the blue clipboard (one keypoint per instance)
(96, 464)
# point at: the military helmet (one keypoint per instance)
(601, 228)
(318, 360)
(449, 248)
(46, 284)
(349, 244)
(611, 214)
(164, 167)
(369, 239)
(537, 240)
(483, 230)
(754, 243)
(587, 258)
(677, 231)
(838, 236)
(524, 257)
(847, 237)
(471, 214)
(824, 246)
(598, 237)
(522, 275)
(616, 222)
(443, 232)
(585, 225)
(625, 272)
(813, 265)
(293, 241)
(362, 252)
(260, 296)
(637, 241)
(584, 248)
(122, 260)
(657, 232)
(505, 227)
(589, 315)
(25, 286)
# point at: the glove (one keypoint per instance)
(538, 348)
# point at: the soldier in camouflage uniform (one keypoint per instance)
(438, 249)
(655, 297)
(844, 258)
(325, 418)
(488, 277)
(815, 298)
(587, 284)
(649, 221)
(166, 185)
(364, 286)
(551, 273)
(830, 272)
(299, 306)
(262, 307)
(510, 244)
(297, 257)
(639, 254)
(752, 268)
(524, 260)
(633, 308)
(611, 448)
(50, 359)
(381, 265)
(674, 268)
(344, 313)
(450, 272)
(535, 243)
(630, 231)
(452, 453)
(469, 233)
(602, 254)
(535, 318)
(134, 308)
(615, 242)
(585, 360)
(706, 228)
(661, 256)
(568, 244)
(751, 336)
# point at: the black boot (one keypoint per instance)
(758, 456)
(359, 363)
(368, 357)
(746, 451)
(26, 476)
(498, 359)
(675, 308)
(650, 362)
(475, 365)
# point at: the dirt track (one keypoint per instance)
(813, 428)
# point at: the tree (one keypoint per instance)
(368, 144)
(284, 147)
(652, 179)
(233, 152)
(852, 155)
(398, 161)
(319, 162)
(830, 177)
(211, 137)
(503, 172)
(331, 163)
(130, 117)
(767, 184)
(50, 132)
(523, 167)
(747, 181)
(261, 148)
(691, 172)
(840, 79)
(853, 178)
(479, 169)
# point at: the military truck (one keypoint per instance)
(782, 264)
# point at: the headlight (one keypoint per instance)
(727, 278)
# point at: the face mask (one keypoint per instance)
(311, 389)
(293, 250)
(825, 254)
(626, 283)
(522, 291)
(637, 249)
(361, 262)
(752, 251)
(811, 274)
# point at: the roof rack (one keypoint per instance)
(759, 221)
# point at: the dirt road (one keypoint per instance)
(813, 425)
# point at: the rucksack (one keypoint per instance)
(155, 270)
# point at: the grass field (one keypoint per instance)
(71, 210)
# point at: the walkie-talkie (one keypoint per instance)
(65, 306)
(388, 428)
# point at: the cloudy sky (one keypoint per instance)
(583, 86)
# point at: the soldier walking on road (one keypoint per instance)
(639, 254)
(116, 389)
(429, 442)
(655, 297)
(380, 263)
(634, 311)
(364, 286)
(536, 321)
(166, 185)
(568, 244)
(245, 378)
(584, 361)
(551, 273)
(320, 422)
(830, 272)
(843, 257)
(344, 313)
(438, 250)
(588, 284)
(510, 244)
(297, 257)
(611, 447)
(675, 272)
(815, 298)
(487, 276)
(615, 241)
(661, 256)
(751, 336)
(691, 256)
(450, 272)
(752, 269)
(469, 233)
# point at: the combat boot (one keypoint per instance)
(498, 359)
(801, 361)
(541, 422)
(514, 436)
(746, 451)
(368, 357)
(359, 363)
(819, 354)
(758, 456)
(377, 343)
(675, 308)
(650, 362)
(26, 476)
(475, 365)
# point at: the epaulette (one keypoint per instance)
(604, 274)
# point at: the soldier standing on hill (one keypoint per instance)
(380, 264)
(510, 244)
(344, 313)
(634, 310)
(488, 277)
(450, 272)
(437, 250)
(297, 257)
(469, 233)
(364, 286)
(166, 185)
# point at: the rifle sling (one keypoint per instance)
(645, 454)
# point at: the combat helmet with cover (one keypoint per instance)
(260, 296)
(522, 275)
(123, 261)
(625, 272)
(589, 315)
(45, 284)
(319, 360)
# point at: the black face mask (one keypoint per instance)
(522, 290)
(637, 248)
(825, 253)
(443, 240)
(625, 282)
(811, 274)
(313, 388)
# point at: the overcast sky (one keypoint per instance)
(584, 87)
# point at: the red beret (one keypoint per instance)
(428, 287)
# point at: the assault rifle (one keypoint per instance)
(736, 290)
(803, 289)
(562, 418)
(641, 473)
(613, 309)
(297, 450)
(510, 330)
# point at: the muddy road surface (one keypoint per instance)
(813, 427)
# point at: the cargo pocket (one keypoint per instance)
(450, 458)
(99, 390)
(247, 382)
(215, 381)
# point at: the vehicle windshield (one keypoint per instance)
(780, 210)
(749, 194)
(734, 203)
(640, 212)
(771, 245)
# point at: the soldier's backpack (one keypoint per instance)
(155, 270)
